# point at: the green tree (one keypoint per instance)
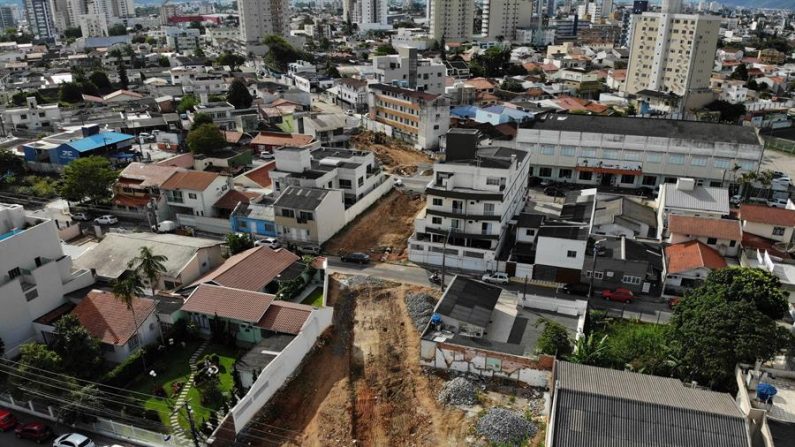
(100, 79)
(280, 52)
(127, 289)
(198, 52)
(512, 85)
(124, 82)
(73, 33)
(239, 242)
(383, 50)
(200, 119)
(639, 347)
(88, 178)
(188, 102)
(206, 139)
(89, 88)
(79, 350)
(70, 92)
(757, 286)
(729, 113)
(231, 59)
(11, 166)
(238, 95)
(117, 30)
(741, 73)
(149, 266)
(35, 357)
(163, 61)
(554, 339)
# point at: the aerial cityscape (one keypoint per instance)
(537, 223)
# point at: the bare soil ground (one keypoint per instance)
(364, 383)
(388, 223)
(397, 157)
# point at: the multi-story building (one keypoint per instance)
(8, 17)
(369, 14)
(408, 71)
(637, 152)
(182, 40)
(472, 197)
(673, 53)
(451, 20)
(34, 116)
(40, 19)
(35, 274)
(418, 118)
(501, 18)
(260, 18)
(352, 94)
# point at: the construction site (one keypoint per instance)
(363, 385)
(395, 156)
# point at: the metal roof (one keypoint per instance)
(469, 301)
(701, 198)
(99, 140)
(301, 198)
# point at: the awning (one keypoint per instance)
(616, 171)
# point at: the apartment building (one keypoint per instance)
(470, 201)
(34, 280)
(261, 18)
(182, 40)
(33, 116)
(40, 19)
(368, 14)
(415, 117)
(451, 20)
(407, 70)
(673, 53)
(501, 18)
(637, 152)
(352, 94)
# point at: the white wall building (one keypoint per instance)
(418, 118)
(451, 20)
(503, 17)
(260, 18)
(34, 116)
(408, 71)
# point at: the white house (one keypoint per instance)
(33, 116)
(688, 264)
(194, 192)
(723, 235)
(777, 224)
(688, 199)
(408, 71)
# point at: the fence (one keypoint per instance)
(102, 426)
(645, 316)
(204, 223)
(371, 197)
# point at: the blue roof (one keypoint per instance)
(99, 140)
(464, 111)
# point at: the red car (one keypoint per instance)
(620, 294)
(35, 431)
(7, 420)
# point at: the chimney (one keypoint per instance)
(685, 184)
(461, 144)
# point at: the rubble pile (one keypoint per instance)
(420, 307)
(458, 391)
(505, 427)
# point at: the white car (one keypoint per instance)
(736, 199)
(107, 219)
(80, 216)
(496, 278)
(271, 242)
(73, 440)
(778, 203)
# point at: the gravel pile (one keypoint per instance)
(506, 427)
(536, 406)
(458, 391)
(364, 281)
(420, 307)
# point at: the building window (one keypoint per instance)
(649, 180)
(242, 224)
(722, 163)
(777, 231)
(545, 172)
(712, 241)
(455, 224)
(588, 152)
(345, 184)
(14, 272)
(653, 158)
(288, 213)
(306, 215)
(417, 247)
(747, 165)
(473, 254)
(632, 155)
(628, 179)
(568, 151)
(629, 279)
(732, 243)
(676, 159)
(530, 232)
(437, 202)
(698, 161)
(598, 275)
(493, 181)
(192, 195)
(611, 154)
(586, 175)
(571, 254)
(547, 150)
(564, 173)
(436, 220)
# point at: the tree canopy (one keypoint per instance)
(101, 80)
(71, 92)
(206, 139)
(512, 85)
(200, 119)
(554, 339)
(187, 102)
(117, 30)
(88, 178)
(729, 113)
(79, 350)
(495, 61)
(281, 53)
(238, 95)
(231, 59)
(239, 242)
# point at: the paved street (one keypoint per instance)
(9, 440)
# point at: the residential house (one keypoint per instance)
(723, 235)
(418, 118)
(35, 274)
(497, 115)
(688, 264)
(586, 396)
(188, 257)
(33, 116)
(686, 198)
(328, 129)
(776, 224)
(352, 94)
(473, 196)
(623, 216)
(194, 192)
(616, 79)
(255, 217)
(309, 216)
(137, 189)
(257, 269)
(622, 262)
(270, 141)
(233, 198)
(257, 178)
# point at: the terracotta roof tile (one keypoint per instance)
(108, 319)
(279, 139)
(231, 198)
(692, 255)
(285, 317)
(235, 304)
(767, 215)
(705, 227)
(192, 180)
(480, 83)
(261, 174)
(252, 269)
(182, 161)
(148, 174)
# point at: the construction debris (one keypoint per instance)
(420, 307)
(357, 281)
(458, 391)
(505, 427)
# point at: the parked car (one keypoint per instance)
(271, 242)
(620, 294)
(7, 420)
(35, 431)
(356, 257)
(107, 219)
(554, 191)
(575, 289)
(83, 217)
(313, 250)
(496, 278)
(266, 155)
(736, 199)
(73, 440)
(165, 226)
(778, 203)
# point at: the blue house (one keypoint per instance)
(52, 153)
(466, 112)
(255, 218)
(497, 115)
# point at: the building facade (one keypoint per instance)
(415, 117)
(408, 71)
(260, 18)
(501, 18)
(451, 20)
(40, 19)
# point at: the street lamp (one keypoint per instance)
(593, 265)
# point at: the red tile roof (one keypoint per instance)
(480, 84)
(108, 319)
(181, 161)
(232, 197)
(767, 215)
(252, 269)
(692, 255)
(705, 227)
(285, 317)
(261, 174)
(279, 139)
(148, 174)
(234, 304)
(233, 137)
(760, 243)
(192, 180)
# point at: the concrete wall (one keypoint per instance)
(369, 199)
(554, 252)
(204, 223)
(278, 371)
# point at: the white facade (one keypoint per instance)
(148, 333)
(93, 25)
(501, 18)
(182, 40)
(369, 14)
(451, 20)
(408, 71)
(34, 116)
(778, 233)
(35, 278)
(418, 118)
(261, 18)
(195, 202)
(561, 252)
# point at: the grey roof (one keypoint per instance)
(689, 130)
(620, 209)
(301, 198)
(110, 257)
(562, 230)
(701, 198)
(599, 407)
(529, 220)
(502, 153)
(469, 301)
(325, 122)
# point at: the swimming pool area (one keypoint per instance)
(7, 235)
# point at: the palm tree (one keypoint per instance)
(589, 350)
(745, 180)
(766, 179)
(149, 266)
(126, 289)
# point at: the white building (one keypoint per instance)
(501, 18)
(451, 20)
(406, 70)
(418, 118)
(411, 37)
(776, 224)
(637, 152)
(35, 274)
(182, 40)
(686, 198)
(93, 24)
(472, 197)
(261, 18)
(194, 192)
(368, 14)
(34, 116)
(352, 94)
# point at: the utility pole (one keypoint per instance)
(444, 256)
(524, 291)
(192, 427)
(593, 267)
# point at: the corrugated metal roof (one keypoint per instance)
(701, 198)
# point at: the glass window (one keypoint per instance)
(437, 202)
(778, 231)
(628, 179)
(653, 158)
(698, 161)
(722, 163)
(611, 154)
(747, 165)
(564, 173)
(436, 220)
(586, 175)
(588, 152)
(568, 151)
(571, 254)
(548, 150)
(632, 155)
(494, 181)
(676, 159)
(649, 180)
(545, 172)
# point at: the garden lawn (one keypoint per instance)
(315, 298)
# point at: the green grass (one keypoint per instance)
(315, 298)
(174, 367)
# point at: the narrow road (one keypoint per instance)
(8, 439)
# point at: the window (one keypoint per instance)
(747, 165)
(628, 179)
(14, 272)
(360, 181)
(455, 224)
(676, 159)
(649, 180)
(670, 179)
(588, 152)
(417, 247)
(722, 163)
(564, 173)
(586, 175)
(629, 279)
(436, 220)
(653, 158)
(547, 150)
(345, 184)
(571, 254)
(632, 155)
(493, 181)
(545, 172)
(698, 161)
(488, 209)
(712, 241)
(242, 224)
(777, 231)
(473, 254)
(568, 151)
(611, 154)
(288, 213)
(437, 202)
(306, 215)
(530, 232)
(732, 243)
(192, 196)
(598, 275)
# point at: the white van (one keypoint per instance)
(165, 226)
